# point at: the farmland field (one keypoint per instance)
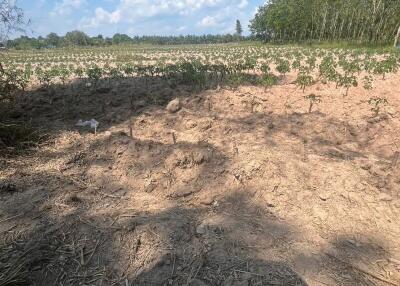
(236, 164)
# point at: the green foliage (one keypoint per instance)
(77, 38)
(78, 72)
(239, 29)
(269, 80)
(283, 66)
(202, 67)
(313, 99)
(64, 74)
(327, 69)
(265, 68)
(386, 66)
(45, 77)
(368, 21)
(237, 79)
(94, 73)
(368, 80)
(304, 79)
(11, 81)
(377, 103)
(347, 81)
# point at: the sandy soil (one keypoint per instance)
(239, 187)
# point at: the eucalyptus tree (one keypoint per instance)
(371, 21)
(239, 29)
(396, 40)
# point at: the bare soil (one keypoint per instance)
(239, 187)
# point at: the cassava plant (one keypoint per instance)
(304, 79)
(312, 99)
(377, 103)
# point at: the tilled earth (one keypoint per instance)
(232, 187)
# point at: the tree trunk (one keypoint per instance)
(396, 40)
(323, 22)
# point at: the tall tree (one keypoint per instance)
(239, 29)
(53, 40)
(396, 40)
(77, 38)
(11, 19)
(372, 21)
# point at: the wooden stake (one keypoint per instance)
(173, 137)
(395, 159)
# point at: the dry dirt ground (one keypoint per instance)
(239, 187)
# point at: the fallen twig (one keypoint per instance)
(10, 218)
(94, 250)
(362, 270)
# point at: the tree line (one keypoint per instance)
(365, 21)
(78, 38)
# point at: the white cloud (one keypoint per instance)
(222, 19)
(149, 8)
(207, 21)
(102, 17)
(243, 4)
(67, 6)
(131, 10)
(202, 14)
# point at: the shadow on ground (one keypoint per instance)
(117, 210)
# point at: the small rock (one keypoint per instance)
(72, 198)
(125, 140)
(373, 120)
(207, 201)
(354, 242)
(385, 197)
(324, 196)
(394, 260)
(201, 229)
(190, 124)
(205, 125)
(365, 165)
(174, 105)
(200, 157)
(150, 186)
(182, 193)
(381, 183)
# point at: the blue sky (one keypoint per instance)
(137, 17)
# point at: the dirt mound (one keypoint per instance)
(217, 192)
